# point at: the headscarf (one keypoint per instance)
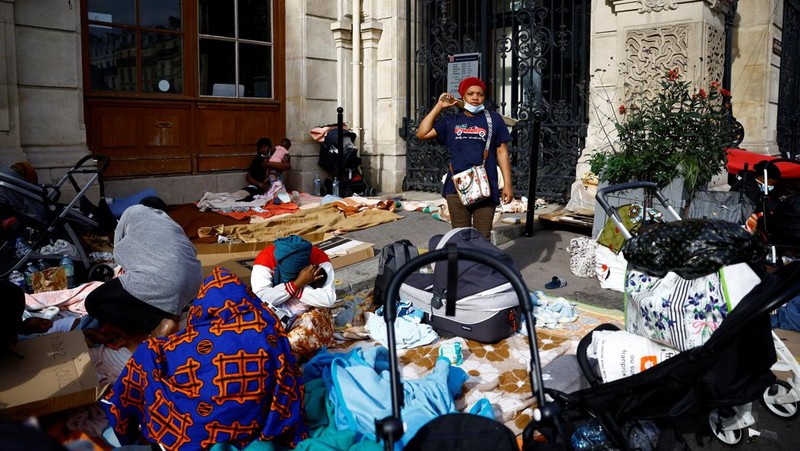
(26, 171)
(470, 81)
(292, 254)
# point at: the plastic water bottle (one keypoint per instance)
(590, 437)
(69, 270)
(30, 270)
(335, 187)
(22, 247)
(317, 185)
(42, 265)
(17, 279)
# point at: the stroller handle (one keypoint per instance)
(612, 213)
(390, 314)
(100, 160)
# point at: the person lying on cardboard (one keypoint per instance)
(160, 275)
(295, 280)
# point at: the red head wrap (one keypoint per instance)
(470, 81)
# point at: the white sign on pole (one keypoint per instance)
(460, 67)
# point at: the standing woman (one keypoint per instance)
(465, 136)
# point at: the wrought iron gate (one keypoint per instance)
(535, 57)
(789, 88)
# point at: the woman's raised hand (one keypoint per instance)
(446, 100)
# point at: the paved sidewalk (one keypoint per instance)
(539, 257)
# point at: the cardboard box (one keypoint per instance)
(344, 251)
(211, 254)
(55, 373)
(241, 268)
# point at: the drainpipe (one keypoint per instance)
(356, 125)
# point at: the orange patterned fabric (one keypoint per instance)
(228, 377)
(311, 331)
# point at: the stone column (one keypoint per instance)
(386, 153)
(343, 44)
(52, 131)
(317, 77)
(371, 31)
(10, 150)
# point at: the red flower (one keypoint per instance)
(725, 92)
(703, 93)
(622, 109)
(715, 84)
(673, 74)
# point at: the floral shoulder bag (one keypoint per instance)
(472, 184)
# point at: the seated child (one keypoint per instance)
(295, 279)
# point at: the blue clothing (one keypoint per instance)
(465, 136)
(788, 316)
(358, 386)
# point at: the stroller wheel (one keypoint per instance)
(101, 273)
(721, 417)
(771, 399)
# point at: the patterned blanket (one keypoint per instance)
(497, 372)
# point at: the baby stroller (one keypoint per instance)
(351, 179)
(40, 214)
(708, 385)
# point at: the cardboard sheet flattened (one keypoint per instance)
(211, 254)
(55, 373)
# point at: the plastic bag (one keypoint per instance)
(730, 206)
(692, 248)
(581, 198)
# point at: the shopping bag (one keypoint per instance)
(683, 313)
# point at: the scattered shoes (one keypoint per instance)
(556, 282)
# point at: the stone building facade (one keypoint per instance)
(353, 55)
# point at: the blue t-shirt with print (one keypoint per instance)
(465, 137)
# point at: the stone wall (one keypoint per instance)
(47, 42)
(320, 65)
(635, 41)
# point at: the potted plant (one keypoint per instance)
(677, 130)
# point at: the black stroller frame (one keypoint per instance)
(59, 215)
(682, 392)
(342, 162)
(390, 429)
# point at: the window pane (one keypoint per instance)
(162, 63)
(255, 20)
(255, 70)
(112, 59)
(163, 14)
(116, 11)
(215, 17)
(217, 68)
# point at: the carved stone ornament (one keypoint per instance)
(648, 6)
(650, 53)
